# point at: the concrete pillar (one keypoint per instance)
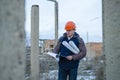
(111, 36)
(56, 22)
(35, 42)
(12, 39)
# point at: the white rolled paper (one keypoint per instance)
(53, 55)
(69, 47)
(74, 46)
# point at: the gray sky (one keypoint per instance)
(87, 14)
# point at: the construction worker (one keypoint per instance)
(71, 49)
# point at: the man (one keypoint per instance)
(69, 57)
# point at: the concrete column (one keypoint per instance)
(56, 22)
(35, 42)
(111, 35)
(12, 39)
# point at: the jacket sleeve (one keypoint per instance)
(82, 49)
(57, 47)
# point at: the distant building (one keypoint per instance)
(94, 50)
(48, 45)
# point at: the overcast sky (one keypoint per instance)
(87, 14)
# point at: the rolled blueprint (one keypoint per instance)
(54, 55)
(69, 47)
(74, 46)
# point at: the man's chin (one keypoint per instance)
(68, 35)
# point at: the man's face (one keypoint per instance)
(70, 33)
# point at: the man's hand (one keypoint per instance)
(69, 57)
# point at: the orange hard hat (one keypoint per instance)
(70, 25)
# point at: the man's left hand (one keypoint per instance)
(69, 57)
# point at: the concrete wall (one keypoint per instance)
(12, 39)
(111, 35)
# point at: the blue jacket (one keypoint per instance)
(63, 51)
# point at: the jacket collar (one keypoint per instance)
(74, 35)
